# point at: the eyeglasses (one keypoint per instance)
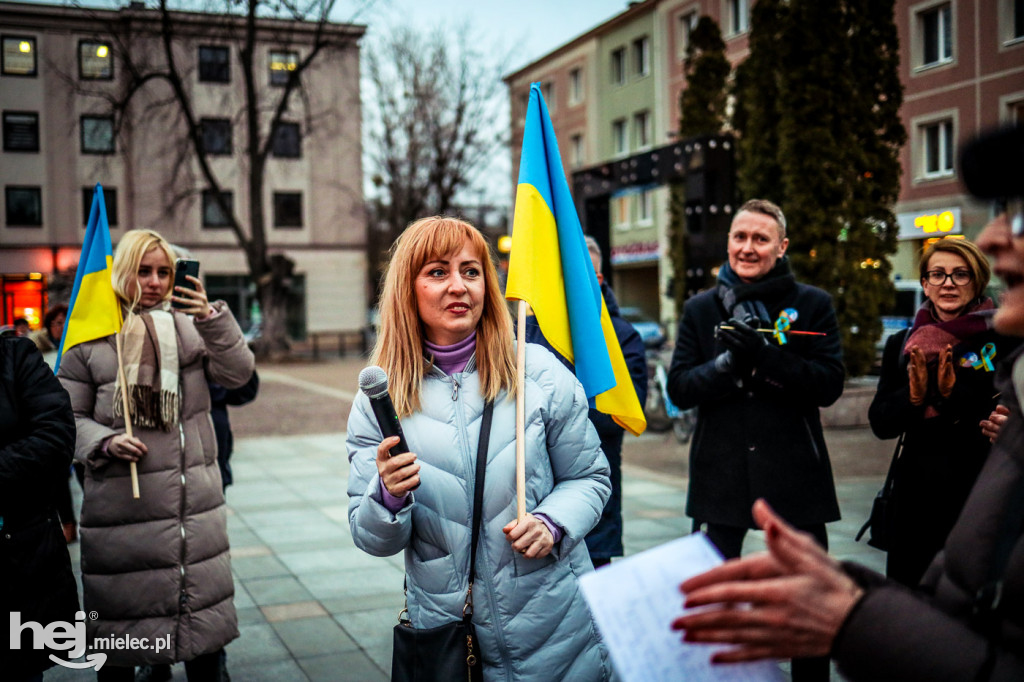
(937, 278)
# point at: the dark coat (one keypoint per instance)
(761, 438)
(37, 440)
(220, 398)
(896, 634)
(941, 457)
(605, 540)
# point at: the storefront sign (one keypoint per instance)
(929, 224)
(635, 253)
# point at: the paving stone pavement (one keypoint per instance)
(313, 607)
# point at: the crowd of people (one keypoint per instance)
(758, 355)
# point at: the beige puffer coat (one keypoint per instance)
(159, 565)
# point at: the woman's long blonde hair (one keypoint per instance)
(399, 347)
(125, 269)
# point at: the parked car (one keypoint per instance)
(650, 330)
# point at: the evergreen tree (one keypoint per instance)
(833, 164)
(702, 111)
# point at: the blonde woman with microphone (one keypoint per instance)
(446, 346)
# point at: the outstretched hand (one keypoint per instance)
(788, 602)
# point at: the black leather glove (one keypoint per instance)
(744, 341)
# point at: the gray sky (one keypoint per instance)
(532, 27)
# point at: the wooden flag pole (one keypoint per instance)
(521, 413)
(127, 415)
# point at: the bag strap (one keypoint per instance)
(478, 492)
(892, 464)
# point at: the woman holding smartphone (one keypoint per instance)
(156, 567)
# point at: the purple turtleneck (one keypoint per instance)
(453, 358)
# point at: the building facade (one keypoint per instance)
(62, 68)
(613, 92)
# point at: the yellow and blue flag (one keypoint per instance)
(94, 311)
(550, 268)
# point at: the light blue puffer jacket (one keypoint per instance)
(531, 618)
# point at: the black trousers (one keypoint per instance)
(205, 668)
(729, 541)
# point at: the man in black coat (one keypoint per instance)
(605, 540)
(758, 393)
(37, 440)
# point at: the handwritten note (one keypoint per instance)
(634, 602)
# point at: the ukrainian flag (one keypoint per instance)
(550, 268)
(94, 311)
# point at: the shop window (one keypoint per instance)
(97, 134)
(109, 201)
(95, 60)
(19, 56)
(21, 131)
(23, 206)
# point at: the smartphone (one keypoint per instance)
(182, 268)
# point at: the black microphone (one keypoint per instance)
(373, 381)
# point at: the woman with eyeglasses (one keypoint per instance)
(936, 390)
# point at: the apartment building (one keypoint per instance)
(614, 92)
(60, 67)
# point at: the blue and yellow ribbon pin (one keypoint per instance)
(782, 324)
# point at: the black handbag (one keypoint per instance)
(450, 651)
(881, 508)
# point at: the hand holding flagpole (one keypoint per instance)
(127, 416)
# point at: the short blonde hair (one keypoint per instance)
(399, 347)
(129, 253)
(977, 263)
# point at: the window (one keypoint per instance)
(645, 207)
(576, 150)
(21, 131)
(575, 86)
(19, 56)
(216, 135)
(548, 90)
(687, 22)
(620, 211)
(641, 56)
(619, 66)
(524, 105)
(95, 61)
(287, 142)
(619, 136)
(936, 30)
(24, 206)
(282, 63)
(287, 209)
(213, 215)
(109, 200)
(937, 148)
(642, 126)
(214, 64)
(738, 15)
(97, 134)
(1018, 19)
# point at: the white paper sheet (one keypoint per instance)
(634, 602)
